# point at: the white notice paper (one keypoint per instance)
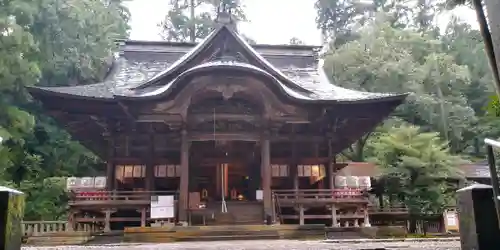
(451, 219)
(259, 195)
(162, 212)
(166, 200)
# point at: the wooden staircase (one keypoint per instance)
(239, 213)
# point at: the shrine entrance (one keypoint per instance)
(227, 170)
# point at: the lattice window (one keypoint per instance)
(130, 171)
(311, 170)
(279, 170)
(170, 171)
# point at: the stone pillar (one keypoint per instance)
(143, 217)
(301, 215)
(71, 220)
(184, 180)
(266, 174)
(366, 222)
(477, 216)
(334, 216)
(107, 220)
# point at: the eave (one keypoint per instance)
(230, 68)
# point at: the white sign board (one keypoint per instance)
(100, 182)
(451, 219)
(72, 183)
(162, 212)
(87, 182)
(162, 207)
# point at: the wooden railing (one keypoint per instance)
(106, 196)
(387, 209)
(319, 194)
(37, 228)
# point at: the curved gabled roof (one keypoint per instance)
(148, 76)
(177, 68)
(317, 92)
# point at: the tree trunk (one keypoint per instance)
(491, 37)
(413, 224)
(381, 200)
(192, 29)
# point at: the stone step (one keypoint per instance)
(232, 237)
(218, 235)
(224, 232)
(56, 241)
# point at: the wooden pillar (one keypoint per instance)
(184, 180)
(218, 181)
(150, 165)
(110, 165)
(266, 174)
(294, 175)
(331, 165)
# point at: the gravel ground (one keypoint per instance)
(268, 244)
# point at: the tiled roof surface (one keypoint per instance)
(130, 72)
(359, 169)
(476, 170)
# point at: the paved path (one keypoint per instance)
(269, 245)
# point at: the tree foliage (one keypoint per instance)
(54, 43)
(395, 46)
(388, 59)
(339, 20)
(416, 167)
(193, 20)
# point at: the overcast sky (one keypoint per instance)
(268, 22)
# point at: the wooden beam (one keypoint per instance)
(126, 111)
(224, 137)
(102, 124)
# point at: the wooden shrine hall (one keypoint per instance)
(254, 128)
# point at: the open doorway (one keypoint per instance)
(228, 170)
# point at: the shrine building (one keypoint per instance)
(251, 128)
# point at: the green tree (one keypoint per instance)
(416, 166)
(56, 43)
(17, 70)
(76, 39)
(193, 20)
(340, 20)
(388, 59)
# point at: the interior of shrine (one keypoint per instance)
(221, 168)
